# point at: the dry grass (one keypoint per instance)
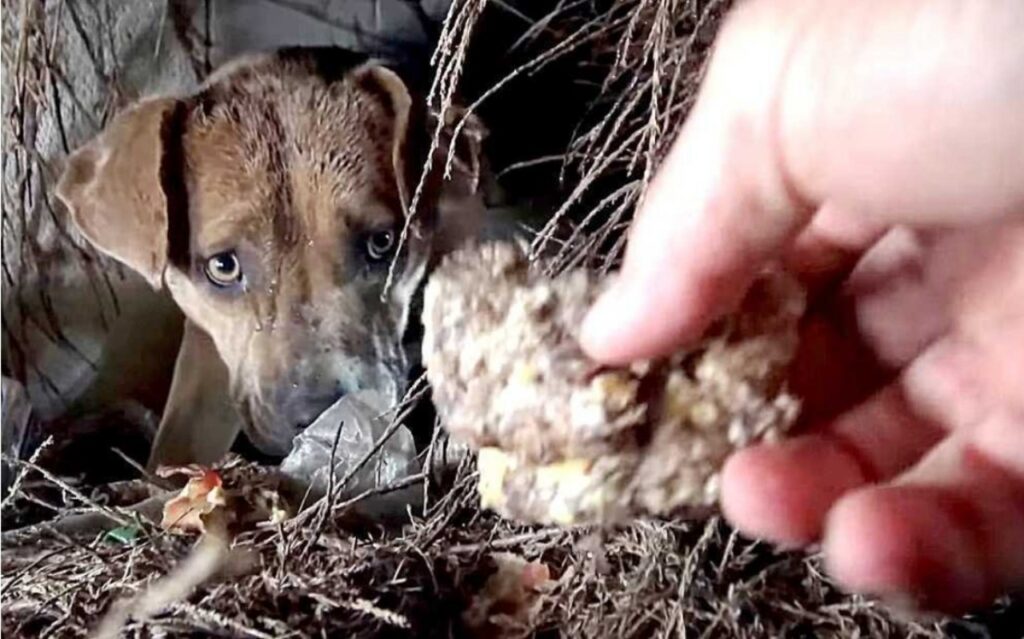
(636, 66)
(679, 578)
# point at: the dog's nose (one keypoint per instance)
(307, 406)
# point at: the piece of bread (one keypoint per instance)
(564, 440)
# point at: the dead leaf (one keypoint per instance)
(235, 492)
(511, 596)
(201, 496)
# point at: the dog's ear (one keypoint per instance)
(461, 137)
(394, 94)
(113, 188)
(460, 198)
(461, 143)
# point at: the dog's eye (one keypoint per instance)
(223, 269)
(379, 244)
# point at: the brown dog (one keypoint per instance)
(270, 204)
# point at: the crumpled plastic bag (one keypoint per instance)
(363, 418)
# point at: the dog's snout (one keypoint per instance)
(305, 405)
(297, 396)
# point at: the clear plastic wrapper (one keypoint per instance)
(357, 422)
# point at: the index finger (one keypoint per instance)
(718, 208)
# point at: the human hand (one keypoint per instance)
(878, 149)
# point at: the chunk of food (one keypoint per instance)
(564, 440)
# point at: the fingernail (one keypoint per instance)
(602, 323)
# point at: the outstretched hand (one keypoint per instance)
(877, 148)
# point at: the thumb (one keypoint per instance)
(719, 206)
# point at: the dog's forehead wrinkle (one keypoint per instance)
(314, 143)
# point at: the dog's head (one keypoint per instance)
(270, 203)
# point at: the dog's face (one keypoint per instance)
(271, 205)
